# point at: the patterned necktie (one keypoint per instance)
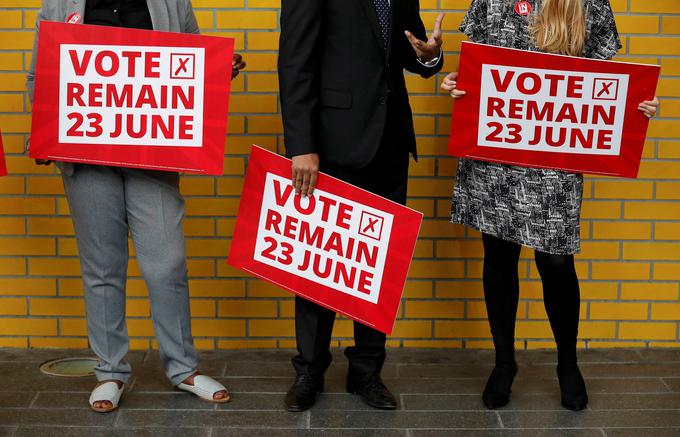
(382, 7)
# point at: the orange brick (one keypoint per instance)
(58, 343)
(623, 230)
(218, 328)
(623, 190)
(620, 270)
(28, 246)
(20, 326)
(618, 311)
(419, 309)
(27, 286)
(666, 311)
(247, 308)
(13, 306)
(666, 231)
(647, 331)
(57, 307)
(667, 271)
(651, 251)
(649, 291)
(72, 327)
(271, 328)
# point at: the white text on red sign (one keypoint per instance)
(131, 95)
(326, 239)
(552, 110)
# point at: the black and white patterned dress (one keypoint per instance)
(537, 208)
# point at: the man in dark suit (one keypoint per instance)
(346, 112)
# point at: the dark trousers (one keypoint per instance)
(387, 176)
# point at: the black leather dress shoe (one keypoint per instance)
(372, 391)
(302, 394)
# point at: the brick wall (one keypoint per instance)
(629, 268)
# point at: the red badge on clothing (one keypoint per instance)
(523, 8)
(131, 98)
(3, 165)
(551, 111)
(344, 248)
(74, 18)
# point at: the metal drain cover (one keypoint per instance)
(70, 367)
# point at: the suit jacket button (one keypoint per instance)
(382, 100)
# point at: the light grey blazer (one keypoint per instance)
(166, 15)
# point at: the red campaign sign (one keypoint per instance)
(551, 111)
(3, 165)
(334, 248)
(131, 98)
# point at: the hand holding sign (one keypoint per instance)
(431, 49)
(237, 65)
(449, 84)
(305, 173)
(649, 107)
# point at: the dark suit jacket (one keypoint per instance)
(337, 80)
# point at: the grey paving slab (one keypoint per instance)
(46, 431)
(646, 432)
(310, 433)
(589, 418)
(54, 417)
(16, 399)
(673, 384)
(214, 419)
(638, 401)
(473, 402)
(257, 355)
(659, 355)
(274, 401)
(25, 376)
(130, 400)
(285, 370)
(444, 370)
(42, 355)
(585, 356)
(444, 356)
(594, 385)
(508, 433)
(402, 419)
(435, 385)
(630, 370)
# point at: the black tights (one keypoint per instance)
(501, 291)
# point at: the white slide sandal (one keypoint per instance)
(107, 392)
(205, 388)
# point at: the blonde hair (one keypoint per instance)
(560, 27)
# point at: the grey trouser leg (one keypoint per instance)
(104, 203)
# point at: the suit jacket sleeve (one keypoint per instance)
(417, 28)
(299, 57)
(30, 77)
(190, 24)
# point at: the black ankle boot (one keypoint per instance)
(572, 387)
(498, 387)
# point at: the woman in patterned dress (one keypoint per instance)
(518, 206)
